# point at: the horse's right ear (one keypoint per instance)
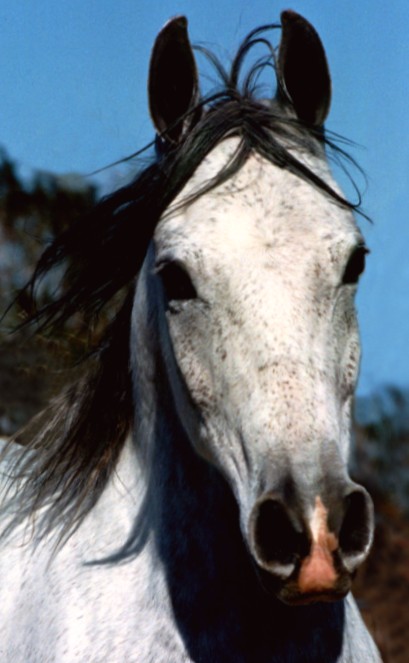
(173, 82)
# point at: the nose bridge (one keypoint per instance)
(281, 343)
(289, 419)
(291, 403)
(291, 311)
(278, 305)
(289, 345)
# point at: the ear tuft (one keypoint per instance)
(173, 82)
(303, 72)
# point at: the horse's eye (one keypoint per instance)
(176, 282)
(355, 266)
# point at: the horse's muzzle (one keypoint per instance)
(308, 551)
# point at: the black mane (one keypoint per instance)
(101, 255)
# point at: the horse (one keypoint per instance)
(188, 498)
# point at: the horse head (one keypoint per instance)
(255, 277)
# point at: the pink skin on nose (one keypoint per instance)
(317, 573)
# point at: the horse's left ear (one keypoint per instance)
(173, 81)
(303, 74)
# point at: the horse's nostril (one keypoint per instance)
(356, 533)
(277, 542)
(313, 556)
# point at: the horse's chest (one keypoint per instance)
(68, 613)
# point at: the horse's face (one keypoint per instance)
(257, 282)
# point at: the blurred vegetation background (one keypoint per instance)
(35, 209)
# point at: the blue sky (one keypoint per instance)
(73, 98)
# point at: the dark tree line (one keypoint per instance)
(32, 212)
